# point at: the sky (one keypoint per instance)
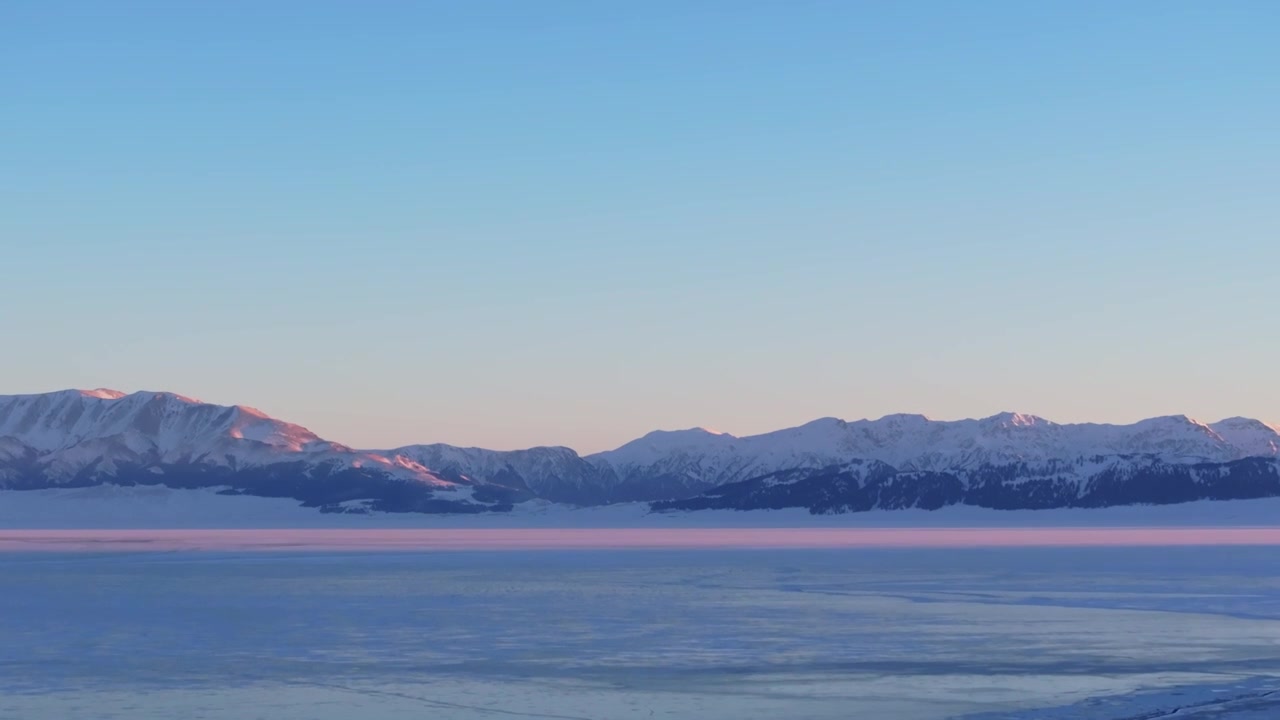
(508, 224)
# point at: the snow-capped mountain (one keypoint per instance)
(1251, 438)
(76, 426)
(557, 474)
(698, 459)
(89, 437)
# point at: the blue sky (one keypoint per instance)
(512, 223)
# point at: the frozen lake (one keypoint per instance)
(848, 631)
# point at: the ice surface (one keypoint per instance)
(919, 634)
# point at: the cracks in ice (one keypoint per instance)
(1231, 704)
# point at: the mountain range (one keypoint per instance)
(78, 438)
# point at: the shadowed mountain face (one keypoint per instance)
(1012, 461)
(1121, 480)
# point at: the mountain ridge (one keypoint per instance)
(104, 436)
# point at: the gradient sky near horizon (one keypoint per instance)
(516, 223)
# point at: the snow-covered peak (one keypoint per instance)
(554, 473)
(1243, 423)
(102, 394)
(99, 393)
(1172, 421)
(76, 429)
(173, 425)
(915, 442)
(661, 444)
(903, 419)
(1015, 420)
(676, 436)
(1254, 437)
